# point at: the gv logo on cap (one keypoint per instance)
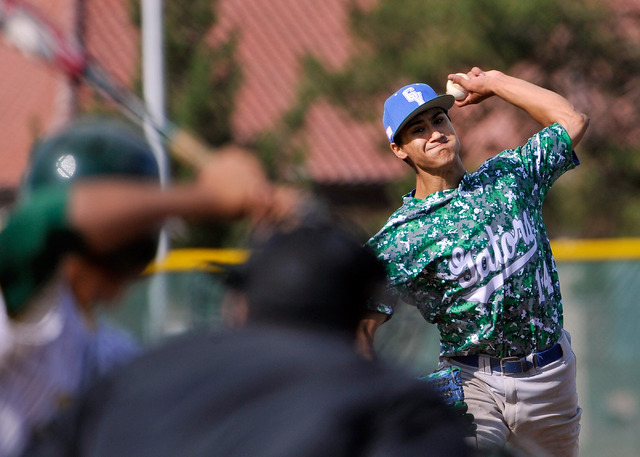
(412, 95)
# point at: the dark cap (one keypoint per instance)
(92, 146)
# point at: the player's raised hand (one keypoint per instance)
(479, 85)
(543, 105)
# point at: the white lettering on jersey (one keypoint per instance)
(497, 256)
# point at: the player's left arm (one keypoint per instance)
(544, 106)
(366, 331)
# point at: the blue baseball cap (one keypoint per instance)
(408, 102)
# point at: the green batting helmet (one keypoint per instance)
(90, 147)
(97, 147)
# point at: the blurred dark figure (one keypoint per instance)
(85, 225)
(287, 382)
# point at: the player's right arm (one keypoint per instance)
(544, 106)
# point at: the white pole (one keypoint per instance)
(154, 96)
(153, 77)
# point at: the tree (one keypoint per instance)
(203, 80)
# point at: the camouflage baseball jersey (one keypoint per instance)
(476, 259)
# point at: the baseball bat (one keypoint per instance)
(23, 27)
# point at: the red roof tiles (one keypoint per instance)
(274, 36)
(32, 97)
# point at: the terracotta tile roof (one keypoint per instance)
(27, 94)
(274, 36)
(111, 39)
(341, 150)
(36, 98)
(33, 97)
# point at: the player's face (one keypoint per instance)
(429, 142)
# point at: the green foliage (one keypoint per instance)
(203, 80)
(204, 95)
(418, 40)
(422, 40)
(282, 157)
(186, 29)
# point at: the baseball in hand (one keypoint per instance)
(458, 92)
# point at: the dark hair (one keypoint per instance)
(129, 260)
(314, 275)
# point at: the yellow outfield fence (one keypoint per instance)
(589, 250)
(209, 260)
(580, 250)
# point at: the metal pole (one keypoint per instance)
(153, 78)
(153, 70)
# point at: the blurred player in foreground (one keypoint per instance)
(86, 224)
(285, 381)
(471, 251)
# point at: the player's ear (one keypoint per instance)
(397, 150)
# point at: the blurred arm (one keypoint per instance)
(231, 185)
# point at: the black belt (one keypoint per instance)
(514, 365)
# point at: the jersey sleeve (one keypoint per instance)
(36, 235)
(547, 156)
